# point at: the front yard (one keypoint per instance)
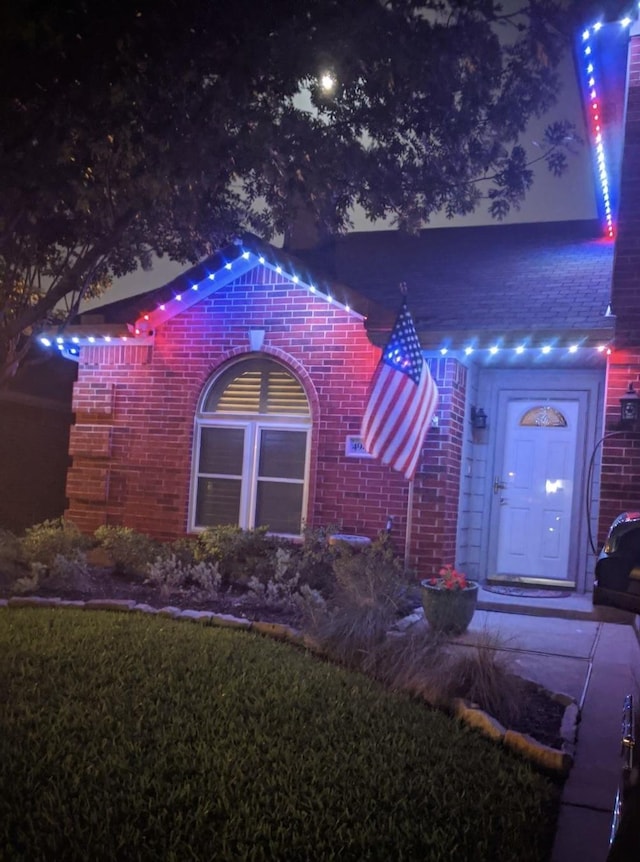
(130, 737)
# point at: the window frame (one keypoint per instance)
(252, 425)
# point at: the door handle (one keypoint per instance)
(498, 485)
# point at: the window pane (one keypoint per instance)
(218, 502)
(282, 454)
(544, 417)
(279, 507)
(257, 386)
(221, 451)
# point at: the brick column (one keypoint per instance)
(620, 476)
(437, 483)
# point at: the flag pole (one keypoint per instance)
(407, 537)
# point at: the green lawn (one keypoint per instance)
(128, 737)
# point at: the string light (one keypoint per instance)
(596, 122)
(467, 350)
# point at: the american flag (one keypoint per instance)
(402, 400)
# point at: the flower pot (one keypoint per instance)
(449, 611)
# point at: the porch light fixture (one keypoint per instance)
(479, 418)
(630, 406)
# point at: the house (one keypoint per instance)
(235, 393)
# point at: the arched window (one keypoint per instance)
(544, 416)
(251, 450)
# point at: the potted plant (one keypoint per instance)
(449, 600)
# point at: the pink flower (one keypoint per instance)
(450, 579)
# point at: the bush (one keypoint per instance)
(240, 554)
(199, 580)
(411, 663)
(285, 589)
(12, 562)
(425, 664)
(130, 552)
(367, 593)
(314, 560)
(44, 542)
(483, 675)
(185, 549)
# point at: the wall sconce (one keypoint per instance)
(630, 406)
(479, 418)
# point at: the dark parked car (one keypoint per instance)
(617, 577)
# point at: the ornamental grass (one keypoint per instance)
(131, 737)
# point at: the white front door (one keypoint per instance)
(534, 490)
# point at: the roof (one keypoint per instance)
(506, 285)
(480, 282)
(213, 273)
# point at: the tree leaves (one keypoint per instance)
(167, 127)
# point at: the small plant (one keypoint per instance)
(450, 578)
(130, 551)
(66, 571)
(285, 589)
(199, 580)
(482, 675)
(411, 663)
(279, 590)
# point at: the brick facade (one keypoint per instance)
(132, 442)
(620, 479)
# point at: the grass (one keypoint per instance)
(125, 737)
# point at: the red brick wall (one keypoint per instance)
(620, 475)
(132, 442)
(626, 268)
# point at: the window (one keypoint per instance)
(544, 417)
(252, 450)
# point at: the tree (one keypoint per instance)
(164, 127)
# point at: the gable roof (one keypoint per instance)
(480, 283)
(144, 311)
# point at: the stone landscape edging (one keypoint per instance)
(556, 760)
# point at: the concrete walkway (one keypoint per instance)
(593, 655)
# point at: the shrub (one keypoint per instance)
(285, 589)
(240, 554)
(411, 662)
(483, 675)
(368, 589)
(314, 560)
(424, 663)
(199, 580)
(279, 589)
(58, 537)
(129, 551)
(186, 549)
(12, 562)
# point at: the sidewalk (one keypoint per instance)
(570, 647)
